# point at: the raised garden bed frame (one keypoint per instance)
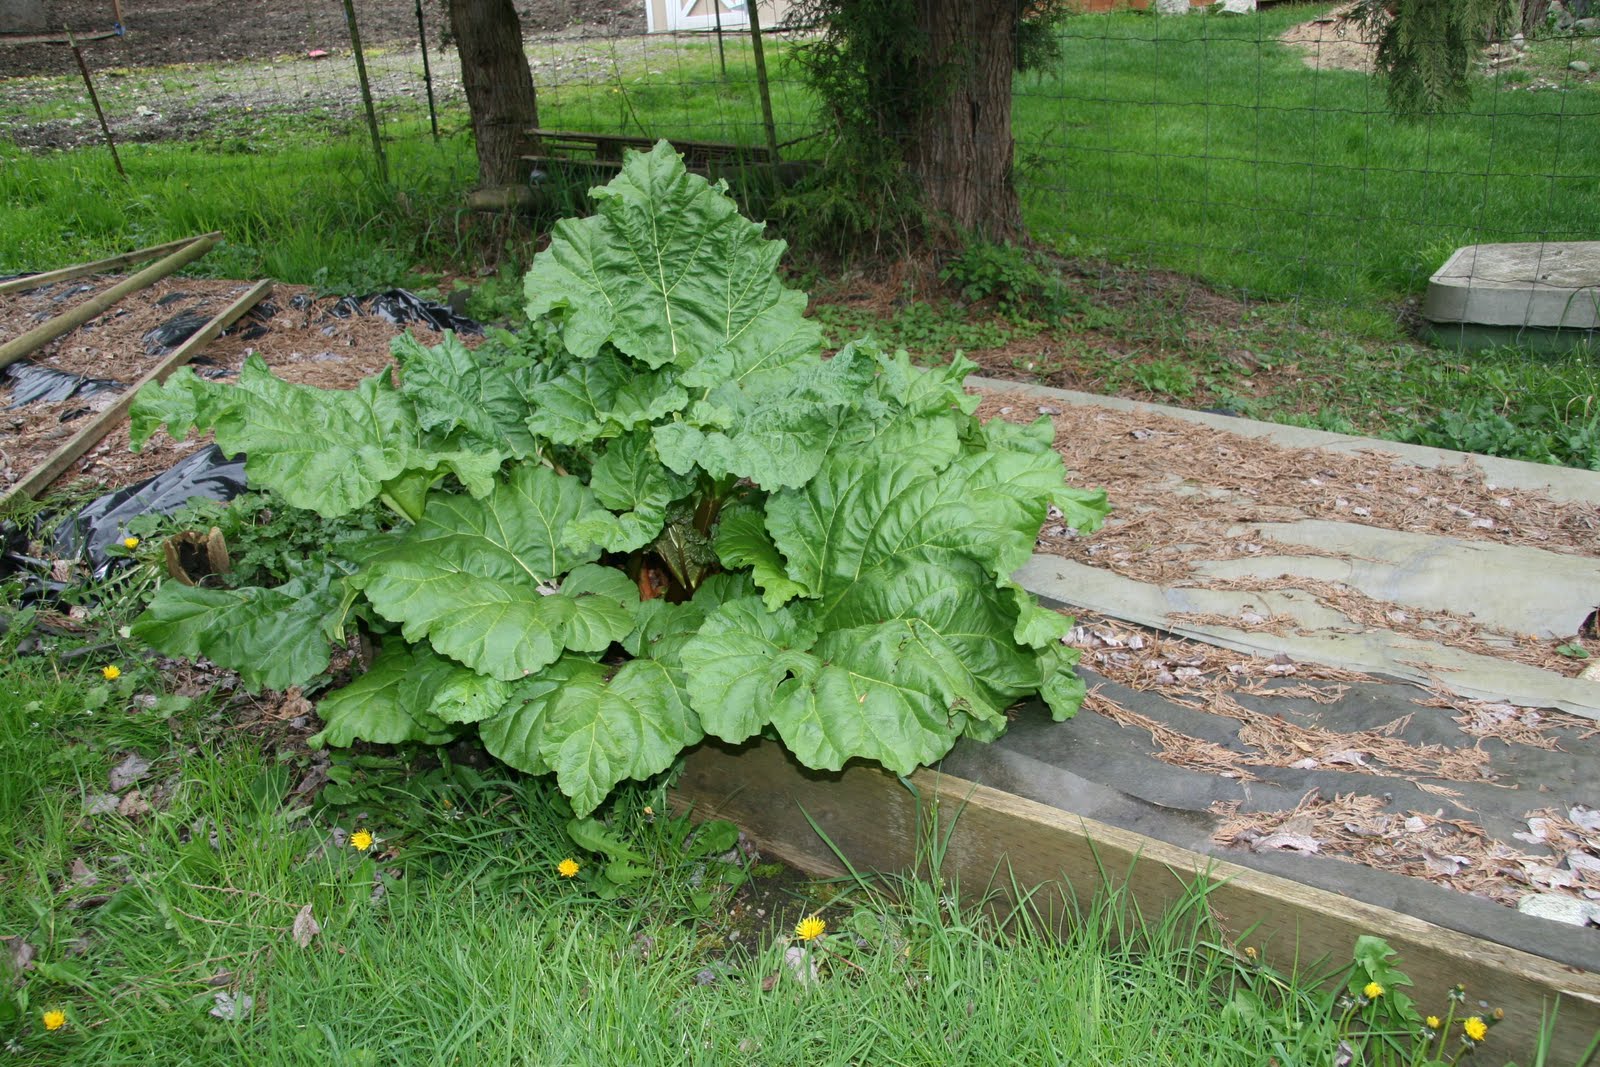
(999, 841)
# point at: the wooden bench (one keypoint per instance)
(587, 152)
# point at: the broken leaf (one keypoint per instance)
(305, 927)
(128, 771)
(1443, 866)
(133, 805)
(17, 954)
(232, 1008)
(82, 876)
(99, 804)
(1560, 907)
(1286, 841)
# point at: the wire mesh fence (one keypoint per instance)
(1256, 153)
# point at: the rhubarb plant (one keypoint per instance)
(663, 514)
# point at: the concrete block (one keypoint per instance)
(1536, 284)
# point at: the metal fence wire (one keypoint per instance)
(1255, 152)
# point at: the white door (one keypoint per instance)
(703, 14)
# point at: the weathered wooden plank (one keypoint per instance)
(97, 427)
(42, 334)
(99, 266)
(1000, 839)
(609, 145)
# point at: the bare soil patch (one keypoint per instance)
(1335, 41)
(164, 32)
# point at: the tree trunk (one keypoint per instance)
(494, 70)
(1533, 15)
(960, 149)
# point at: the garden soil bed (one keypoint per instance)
(299, 334)
(1420, 797)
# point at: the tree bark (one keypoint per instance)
(960, 149)
(1533, 15)
(500, 96)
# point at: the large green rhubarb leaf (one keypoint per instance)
(326, 450)
(476, 578)
(629, 479)
(895, 693)
(462, 395)
(593, 731)
(739, 664)
(517, 733)
(773, 429)
(861, 512)
(958, 600)
(742, 541)
(601, 397)
(667, 272)
(274, 638)
(390, 704)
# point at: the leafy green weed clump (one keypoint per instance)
(660, 515)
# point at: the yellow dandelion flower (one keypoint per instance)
(54, 1019)
(111, 671)
(810, 928)
(130, 542)
(1372, 991)
(361, 840)
(1476, 1028)
(567, 868)
(1434, 1022)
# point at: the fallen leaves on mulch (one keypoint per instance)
(1186, 494)
(1508, 723)
(1177, 478)
(1173, 747)
(1451, 852)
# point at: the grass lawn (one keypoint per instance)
(1203, 145)
(1198, 145)
(189, 907)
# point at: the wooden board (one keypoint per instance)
(1000, 839)
(609, 146)
(99, 266)
(97, 427)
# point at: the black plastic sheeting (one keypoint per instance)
(31, 384)
(400, 306)
(206, 474)
(103, 522)
(175, 331)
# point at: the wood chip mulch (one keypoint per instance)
(1452, 852)
(294, 330)
(1185, 494)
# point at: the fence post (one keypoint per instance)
(427, 71)
(761, 83)
(94, 98)
(366, 90)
